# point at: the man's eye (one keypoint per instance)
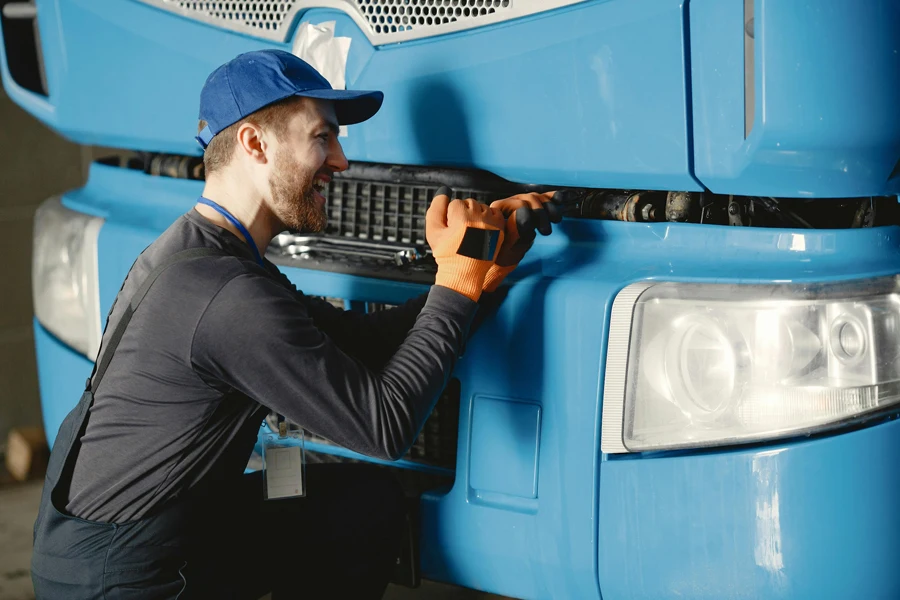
(324, 136)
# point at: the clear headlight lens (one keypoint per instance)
(65, 276)
(722, 364)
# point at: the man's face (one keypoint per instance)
(307, 156)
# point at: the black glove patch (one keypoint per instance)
(480, 244)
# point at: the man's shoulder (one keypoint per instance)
(206, 272)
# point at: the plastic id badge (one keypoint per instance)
(284, 464)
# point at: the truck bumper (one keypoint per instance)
(811, 519)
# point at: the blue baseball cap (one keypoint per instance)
(254, 80)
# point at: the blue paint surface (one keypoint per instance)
(570, 107)
(807, 520)
(613, 93)
(826, 78)
(503, 460)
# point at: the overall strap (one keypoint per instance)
(106, 355)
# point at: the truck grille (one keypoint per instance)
(384, 203)
(376, 220)
(383, 21)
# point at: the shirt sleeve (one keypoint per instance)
(258, 337)
(371, 337)
(374, 337)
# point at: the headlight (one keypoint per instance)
(64, 275)
(693, 365)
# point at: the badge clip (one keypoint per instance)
(284, 463)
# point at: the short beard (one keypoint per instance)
(293, 197)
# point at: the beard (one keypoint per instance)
(293, 197)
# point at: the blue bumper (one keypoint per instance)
(815, 519)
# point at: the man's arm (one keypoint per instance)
(257, 337)
(371, 337)
(374, 337)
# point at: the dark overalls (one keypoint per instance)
(339, 541)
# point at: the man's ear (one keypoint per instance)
(252, 142)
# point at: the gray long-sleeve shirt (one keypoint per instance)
(220, 341)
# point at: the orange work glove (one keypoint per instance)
(465, 237)
(525, 214)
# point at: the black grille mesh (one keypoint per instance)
(389, 212)
(384, 205)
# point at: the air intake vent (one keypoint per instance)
(383, 21)
(22, 43)
(265, 17)
(388, 203)
(392, 16)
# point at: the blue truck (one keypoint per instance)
(690, 389)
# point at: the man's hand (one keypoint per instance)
(465, 238)
(526, 214)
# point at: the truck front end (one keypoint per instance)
(690, 388)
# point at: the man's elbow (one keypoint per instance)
(395, 447)
(394, 452)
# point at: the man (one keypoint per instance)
(145, 495)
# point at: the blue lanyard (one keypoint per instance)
(236, 223)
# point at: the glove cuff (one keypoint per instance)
(495, 276)
(462, 274)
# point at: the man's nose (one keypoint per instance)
(337, 162)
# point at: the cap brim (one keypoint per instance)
(350, 106)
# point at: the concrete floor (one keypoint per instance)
(18, 509)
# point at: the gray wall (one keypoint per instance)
(35, 164)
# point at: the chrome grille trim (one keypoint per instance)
(382, 21)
